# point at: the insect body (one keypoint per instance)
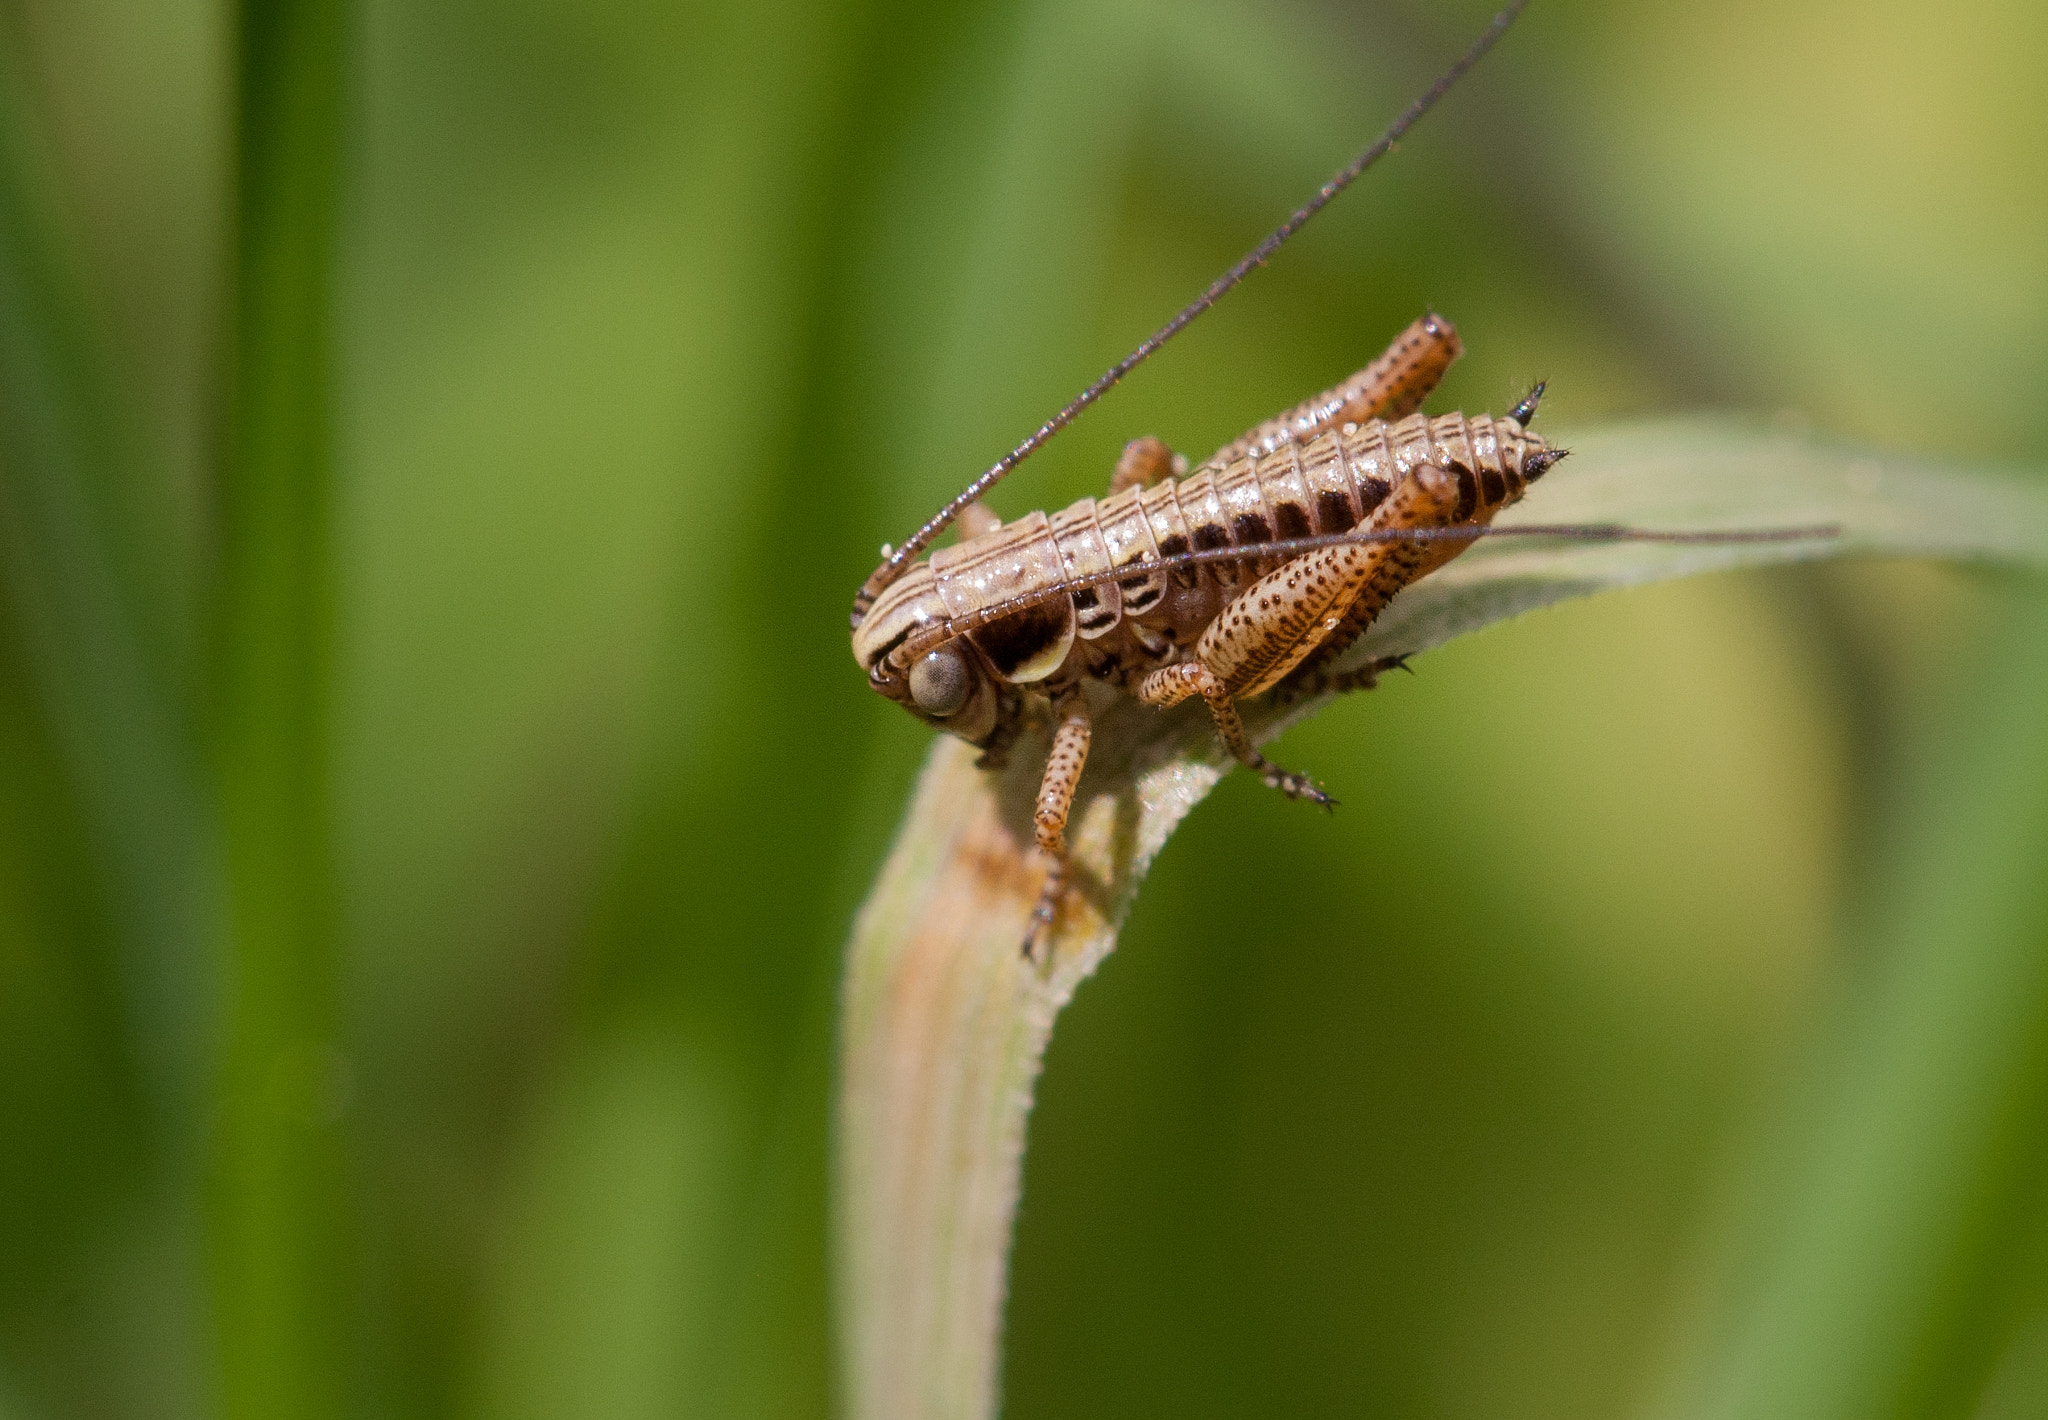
(1115, 597)
(1248, 575)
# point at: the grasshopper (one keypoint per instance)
(1249, 575)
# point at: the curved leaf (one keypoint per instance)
(944, 1024)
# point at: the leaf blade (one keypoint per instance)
(944, 1028)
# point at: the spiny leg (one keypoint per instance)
(1357, 620)
(1308, 676)
(1390, 387)
(1169, 685)
(1340, 638)
(1055, 800)
(1289, 616)
(1418, 561)
(1303, 684)
(1394, 385)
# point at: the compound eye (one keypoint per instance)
(938, 683)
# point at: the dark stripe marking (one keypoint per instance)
(1209, 536)
(891, 644)
(1021, 637)
(1140, 593)
(1174, 546)
(1333, 510)
(1468, 493)
(1089, 610)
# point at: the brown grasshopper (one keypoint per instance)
(1249, 575)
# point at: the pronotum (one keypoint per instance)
(1248, 576)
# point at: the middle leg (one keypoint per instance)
(1169, 685)
(1144, 462)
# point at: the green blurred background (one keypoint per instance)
(439, 442)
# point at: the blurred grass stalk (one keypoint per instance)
(279, 1235)
(1893, 1224)
(92, 617)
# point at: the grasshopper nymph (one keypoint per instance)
(1250, 574)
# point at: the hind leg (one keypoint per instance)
(1315, 681)
(1389, 388)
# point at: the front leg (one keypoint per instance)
(1055, 801)
(1169, 685)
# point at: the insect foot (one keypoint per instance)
(1169, 685)
(1297, 786)
(1063, 766)
(1042, 918)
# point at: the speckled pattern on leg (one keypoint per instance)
(1063, 767)
(1274, 624)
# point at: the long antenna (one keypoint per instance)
(897, 559)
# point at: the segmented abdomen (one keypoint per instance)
(1329, 484)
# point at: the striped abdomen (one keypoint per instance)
(1329, 484)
